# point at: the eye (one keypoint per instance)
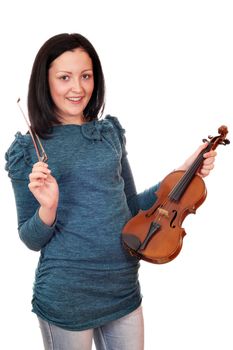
(64, 77)
(86, 76)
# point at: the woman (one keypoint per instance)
(74, 207)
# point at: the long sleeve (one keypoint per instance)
(136, 201)
(32, 231)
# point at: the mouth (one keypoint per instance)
(74, 99)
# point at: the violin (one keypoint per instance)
(155, 235)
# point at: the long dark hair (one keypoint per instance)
(41, 108)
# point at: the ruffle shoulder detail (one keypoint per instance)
(98, 129)
(120, 130)
(115, 122)
(18, 158)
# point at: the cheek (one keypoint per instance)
(56, 91)
(90, 88)
(56, 87)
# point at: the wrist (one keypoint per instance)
(48, 215)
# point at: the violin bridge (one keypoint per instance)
(163, 212)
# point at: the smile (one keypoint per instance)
(74, 99)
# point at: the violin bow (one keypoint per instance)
(41, 155)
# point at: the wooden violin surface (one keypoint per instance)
(156, 235)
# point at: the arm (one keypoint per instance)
(32, 230)
(36, 203)
(143, 200)
(146, 199)
(207, 165)
(135, 201)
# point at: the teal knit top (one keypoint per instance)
(84, 277)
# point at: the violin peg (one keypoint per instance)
(226, 142)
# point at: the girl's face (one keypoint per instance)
(71, 83)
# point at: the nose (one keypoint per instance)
(76, 85)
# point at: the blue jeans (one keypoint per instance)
(126, 333)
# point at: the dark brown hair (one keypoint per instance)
(41, 108)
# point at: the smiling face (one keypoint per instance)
(71, 83)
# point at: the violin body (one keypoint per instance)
(167, 242)
(156, 235)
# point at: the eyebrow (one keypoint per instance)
(66, 71)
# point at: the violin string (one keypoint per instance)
(179, 188)
(182, 184)
(186, 180)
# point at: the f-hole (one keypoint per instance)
(174, 216)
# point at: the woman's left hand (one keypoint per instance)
(207, 165)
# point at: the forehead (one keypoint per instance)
(75, 60)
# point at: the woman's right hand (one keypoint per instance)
(44, 186)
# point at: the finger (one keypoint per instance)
(37, 175)
(210, 154)
(41, 169)
(50, 178)
(45, 165)
(199, 149)
(35, 184)
(203, 172)
(208, 166)
(209, 161)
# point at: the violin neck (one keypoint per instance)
(184, 182)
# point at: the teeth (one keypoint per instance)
(74, 99)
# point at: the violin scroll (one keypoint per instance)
(218, 140)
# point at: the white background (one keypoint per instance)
(169, 76)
